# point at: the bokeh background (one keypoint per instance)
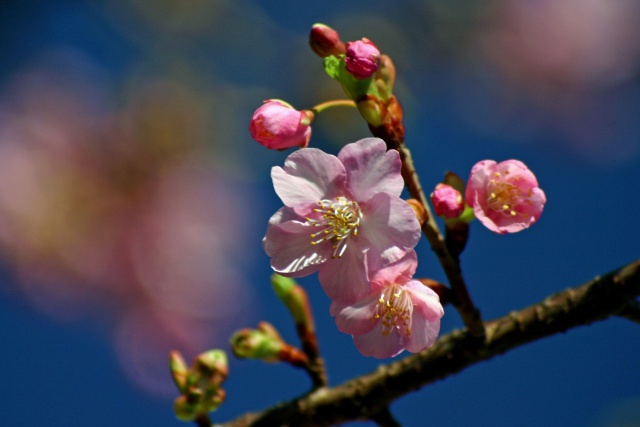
(133, 200)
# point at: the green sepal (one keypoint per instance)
(354, 88)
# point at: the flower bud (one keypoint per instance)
(278, 126)
(421, 213)
(325, 41)
(362, 58)
(373, 110)
(179, 370)
(447, 201)
(210, 367)
(385, 78)
(263, 343)
(185, 410)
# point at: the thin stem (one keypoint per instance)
(451, 266)
(203, 420)
(334, 103)
(364, 396)
(384, 418)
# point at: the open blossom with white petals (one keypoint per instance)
(505, 196)
(342, 217)
(398, 314)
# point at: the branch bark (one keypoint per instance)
(368, 395)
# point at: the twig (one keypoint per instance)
(362, 397)
(451, 266)
(631, 311)
(384, 418)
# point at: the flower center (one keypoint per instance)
(394, 310)
(503, 195)
(339, 220)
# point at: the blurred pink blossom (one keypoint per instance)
(565, 42)
(117, 213)
(505, 196)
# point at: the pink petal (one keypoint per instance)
(400, 271)
(379, 346)
(424, 332)
(371, 168)
(289, 245)
(356, 318)
(391, 227)
(309, 175)
(345, 279)
(425, 300)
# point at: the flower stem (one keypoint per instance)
(451, 265)
(334, 103)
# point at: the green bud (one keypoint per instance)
(263, 343)
(184, 410)
(373, 110)
(179, 370)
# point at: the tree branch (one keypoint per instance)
(368, 395)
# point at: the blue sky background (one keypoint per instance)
(581, 138)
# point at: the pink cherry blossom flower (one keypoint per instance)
(278, 126)
(398, 314)
(505, 196)
(447, 201)
(342, 217)
(362, 58)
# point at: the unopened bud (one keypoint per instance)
(385, 77)
(362, 58)
(295, 299)
(421, 213)
(179, 370)
(447, 201)
(325, 41)
(263, 343)
(373, 110)
(211, 368)
(185, 410)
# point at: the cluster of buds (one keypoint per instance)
(366, 76)
(200, 385)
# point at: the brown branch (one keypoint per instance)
(631, 311)
(365, 396)
(384, 418)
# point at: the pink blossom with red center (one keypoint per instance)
(342, 217)
(278, 126)
(505, 196)
(447, 201)
(398, 314)
(362, 58)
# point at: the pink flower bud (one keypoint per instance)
(362, 58)
(277, 125)
(447, 201)
(325, 41)
(505, 196)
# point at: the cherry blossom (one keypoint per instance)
(342, 217)
(505, 196)
(398, 314)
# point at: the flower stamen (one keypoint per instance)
(340, 219)
(394, 310)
